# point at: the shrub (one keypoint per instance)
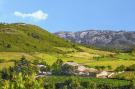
(120, 68)
(8, 46)
(67, 69)
(56, 67)
(131, 68)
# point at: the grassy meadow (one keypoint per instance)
(126, 75)
(88, 57)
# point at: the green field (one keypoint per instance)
(33, 42)
(89, 83)
(126, 75)
(89, 57)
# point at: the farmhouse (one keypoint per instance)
(72, 68)
(89, 72)
(82, 70)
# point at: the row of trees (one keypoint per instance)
(85, 83)
(30, 82)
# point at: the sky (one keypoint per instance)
(71, 15)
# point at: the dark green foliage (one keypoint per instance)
(56, 67)
(2, 60)
(29, 82)
(74, 82)
(42, 69)
(25, 67)
(67, 69)
(23, 76)
(133, 84)
(5, 74)
(100, 67)
(120, 68)
(8, 46)
(131, 68)
(109, 67)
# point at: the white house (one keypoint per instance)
(82, 70)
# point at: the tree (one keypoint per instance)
(73, 83)
(5, 74)
(133, 84)
(97, 67)
(102, 67)
(56, 67)
(24, 66)
(109, 67)
(68, 69)
(86, 84)
(8, 46)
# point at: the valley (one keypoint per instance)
(87, 57)
(30, 52)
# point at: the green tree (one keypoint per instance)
(102, 67)
(67, 69)
(133, 84)
(73, 83)
(24, 66)
(8, 46)
(5, 74)
(97, 67)
(109, 67)
(56, 67)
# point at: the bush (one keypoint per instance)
(67, 69)
(2, 60)
(8, 46)
(56, 67)
(131, 68)
(120, 68)
(100, 67)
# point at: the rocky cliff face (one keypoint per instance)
(104, 39)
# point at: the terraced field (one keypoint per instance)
(86, 56)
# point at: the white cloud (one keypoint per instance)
(38, 15)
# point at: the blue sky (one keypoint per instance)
(71, 15)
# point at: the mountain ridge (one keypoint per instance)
(108, 39)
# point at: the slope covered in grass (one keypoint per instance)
(17, 40)
(126, 75)
(28, 38)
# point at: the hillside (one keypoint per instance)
(111, 40)
(33, 42)
(28, 38)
